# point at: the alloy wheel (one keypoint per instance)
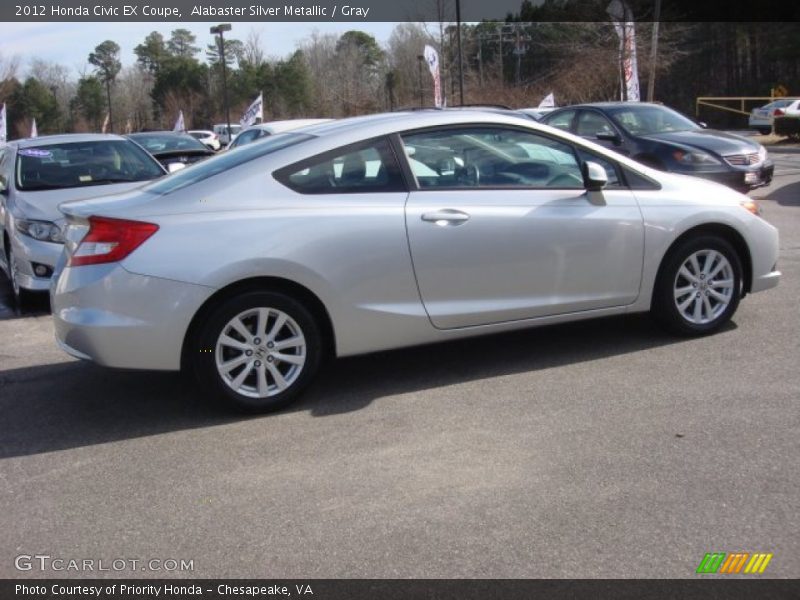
(260, 352)
(704, 286)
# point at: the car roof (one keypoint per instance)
(65, 138)
(394, 121)
(611, 104)
(286, 124)
(143, 133)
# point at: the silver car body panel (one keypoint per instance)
(535, 257)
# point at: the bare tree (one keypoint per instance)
(9, 65)
(253, 52)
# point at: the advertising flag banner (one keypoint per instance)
(626, 31)
(179, 123)
(254, 111)
(432, 58)
(3, 128)
(104, 128)
(34, 130)
(549, 101)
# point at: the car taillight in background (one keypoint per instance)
(110, 240)
(778, 113)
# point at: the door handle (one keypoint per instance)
(446, 217)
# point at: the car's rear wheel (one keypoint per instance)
(765, 130)
(699, 286)
(258, 351)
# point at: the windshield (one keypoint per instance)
(647, 120)
(223, 162)
(79, 164)
(167, 142)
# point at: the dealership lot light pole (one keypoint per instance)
(219, 29)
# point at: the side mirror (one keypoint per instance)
(595, 177)
(3, 188)
(609, 136)
(176, 166)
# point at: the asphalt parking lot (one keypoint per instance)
(602, 449)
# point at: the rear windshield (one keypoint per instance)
(227, 160)
(167, 142)
(80, 164)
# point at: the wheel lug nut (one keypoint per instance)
(248, 353)
(257, 341)
(694, 284)
(698, 294)
(258, 363)
(270, 345)
(269, 359)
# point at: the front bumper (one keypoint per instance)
(28, 252)
(115, 318)
(741, 179)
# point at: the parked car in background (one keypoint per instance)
(38, 174)
(172, 149)
(209, 138)
(664, 139)
(537, 113)
(392, 230)
(255, 132)
(763, 117)
(221, 129)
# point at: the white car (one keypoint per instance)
(763, 117)
(251, 134)
(209, 138)
(221, 129)
(378, 232)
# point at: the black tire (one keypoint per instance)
(665, 306)
(205, 353)
(765, 130)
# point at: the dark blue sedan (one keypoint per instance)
(665, 139)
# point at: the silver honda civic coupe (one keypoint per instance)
(392, 230)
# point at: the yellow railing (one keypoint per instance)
(711, 102)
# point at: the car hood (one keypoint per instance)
(718, 142)
(43, 205)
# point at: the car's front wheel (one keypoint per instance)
(258, 351)
(699, 286)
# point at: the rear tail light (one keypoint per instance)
(778, 113)
(110, 240)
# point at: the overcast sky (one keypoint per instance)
(69, 44)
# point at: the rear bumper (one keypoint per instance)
(115, 318)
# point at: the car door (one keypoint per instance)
(594, 126)
(500, 228)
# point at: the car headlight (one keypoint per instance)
(695, 158)
(751, 205)
(44, 231)
(762, 153)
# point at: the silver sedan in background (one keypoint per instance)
(38, 174)
(393, 230)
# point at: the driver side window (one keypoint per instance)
(591, 123)
(490, 157)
